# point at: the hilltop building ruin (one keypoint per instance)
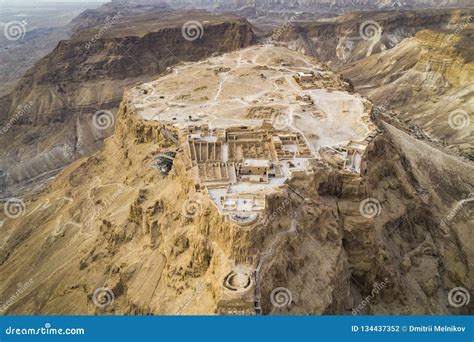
(237, 166)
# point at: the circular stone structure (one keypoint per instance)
(239, 280)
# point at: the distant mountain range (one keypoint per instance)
(307, 4)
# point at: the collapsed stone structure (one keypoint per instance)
(237, 166)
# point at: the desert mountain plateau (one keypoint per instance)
(256, 200)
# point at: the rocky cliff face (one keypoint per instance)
(111, 235)
(48, 118)
(350, 5)
(318, 5)
(354, 36)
